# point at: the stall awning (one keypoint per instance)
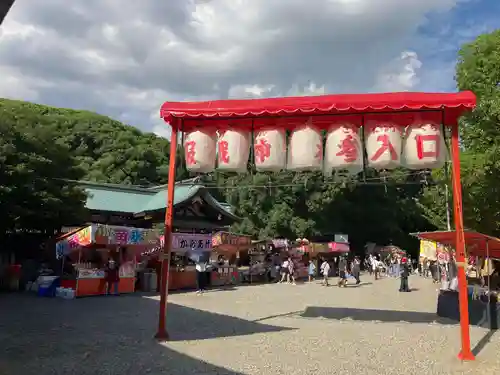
(231, 242)
(451, 104)
(476, 243)
(101, 234)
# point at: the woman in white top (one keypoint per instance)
(285, 271)
(201, 277)
(325, 270)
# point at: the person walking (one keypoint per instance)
(342, 272)
(112, 277)
(427, 267)
(397, 265)
(291, 271)
(356, 269)
(405, 274)
(434, 268)
(375, 267)
(391, 266)
(311, 271)
(368, 264)
(201, 276)
(285, 271)
(325, 271)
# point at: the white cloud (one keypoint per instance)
(162, 130)
(401, 74)
(125, 58)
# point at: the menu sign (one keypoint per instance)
(192, 242)
(340, 247)
(117, 235)
(225, 238)
(279, 243)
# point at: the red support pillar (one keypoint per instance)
(466, 353)
(162, 333)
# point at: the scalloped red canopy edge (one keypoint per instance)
(453, 105)
(327, 104)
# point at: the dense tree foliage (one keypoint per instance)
(478, 70)
(33, 195)
(105, 149)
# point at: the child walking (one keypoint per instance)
(311, 272)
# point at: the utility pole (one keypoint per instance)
(5, 6)
(448, 222)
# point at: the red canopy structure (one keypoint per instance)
(282, 112)
(476, 244)
(451, 105)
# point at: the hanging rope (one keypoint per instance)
(363, 147)
(183, 159)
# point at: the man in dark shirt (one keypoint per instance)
(112, 277)
(342, 271)
(405, 274)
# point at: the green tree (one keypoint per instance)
(478, 69)
(105, 149)
(33, 194)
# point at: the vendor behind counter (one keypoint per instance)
(491, 274)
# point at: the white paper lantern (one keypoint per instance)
(199, 150)
(343, 149)
(305, 149)
(383, 145)
(270, 150)
(233, 150)
(424, 147)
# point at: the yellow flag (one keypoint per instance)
(428, 249)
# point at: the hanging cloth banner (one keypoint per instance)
(428, 249)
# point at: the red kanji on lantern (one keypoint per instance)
(420, 146)
(223, 152)
(385, 145)
(319, 151)
(121, 236)
(262, 150)
(190, 153)
(348, 149)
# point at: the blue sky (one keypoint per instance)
(445, 32)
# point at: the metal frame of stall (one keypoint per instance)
(476, 244)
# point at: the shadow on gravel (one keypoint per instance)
(373, 315)
(358, 285)
(106, 335)
(485, 340)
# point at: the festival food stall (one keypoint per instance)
(228, 245)
(185, 248)
(88, 249)
(259, 261)
(331, 251)
(182, 268)
(395, 129)
(483, 301)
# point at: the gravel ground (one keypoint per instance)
(265, 329)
